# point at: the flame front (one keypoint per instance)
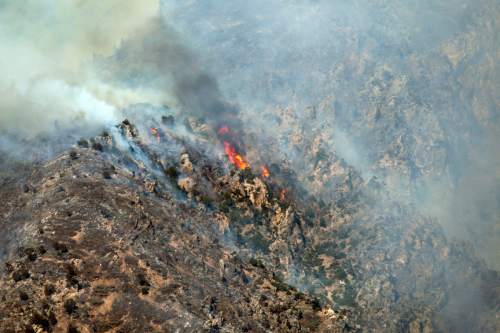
(235, 158)
(264, 171)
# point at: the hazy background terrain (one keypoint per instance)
(411, 82)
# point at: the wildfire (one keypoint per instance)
(235, 158)
(264, 171)
(229, 139)
(154, 131)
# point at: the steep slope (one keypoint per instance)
(102, 254)
(147, 229)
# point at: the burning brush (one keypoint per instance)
(264, 171)
(231, 143)
(231, 147)
(235, 158)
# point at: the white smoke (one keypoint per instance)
(49, 73)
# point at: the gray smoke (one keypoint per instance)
(70, 68)
(419, 78)
(48, 71)
(157, 58)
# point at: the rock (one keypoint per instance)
(185, 163)
(187, 184)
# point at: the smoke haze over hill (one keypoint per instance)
(377, 122)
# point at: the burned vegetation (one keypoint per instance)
(118, 236)
(149, 228)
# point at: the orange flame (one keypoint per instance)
(235, 158)
(154, 131)
(230, 149)
(264, 171)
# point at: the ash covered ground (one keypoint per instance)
(273, 166)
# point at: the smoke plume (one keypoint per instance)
(156, 58)
(48, 69)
